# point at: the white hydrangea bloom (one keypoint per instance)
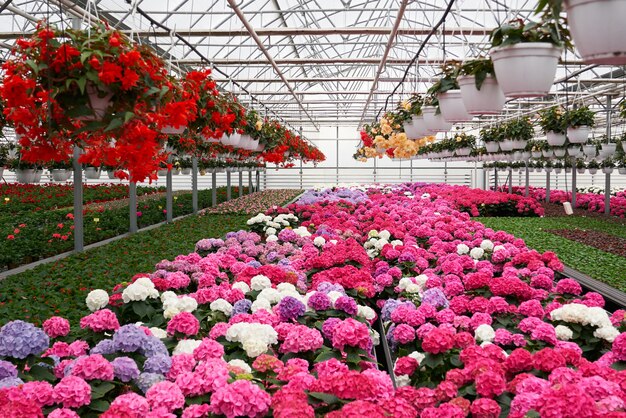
(563, 333)
(97, 299)
(302, 231)
(221, 305)
(462, 249)
(286, 287)
(186, 347)
(333, 241)
(396, 242)
(168, 295)
(606, 333)
(138, 292)
(272, 295)
(421, 280)
(243, 286)
(486, 245)
(385, 235)
(334, 295)
(187, 304)
(404, 283)
(484, 333)
(261, 304)
(373, 233)
(380, 244)
(402, 380)
(417, 356)
(366, 312)
(319, 241)
(171, 312)
(270, 231)
(158, 332)
(477, 253)
(260, 282)
(271, 238)
(144, 281)
(413, 288)
(254, 338)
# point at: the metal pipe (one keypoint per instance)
(548, 186)
(250, 189)
(169, 197)
(383, 60)
(574, 175)
(527, 181)
(79, 244)
(213, 188)
(607, 178)
(228, 188)
(258, 41)
(132, 207)
(240, 183)
(194, 184)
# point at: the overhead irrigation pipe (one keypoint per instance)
(269, 57)
(419, 51)
(383, 60)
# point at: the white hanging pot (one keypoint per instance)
(548, 169)
(260, 147)
(578, 135)
(519, 143)
(536, 154)
(409, 129)
(556, 139)
(492, 146)
(452, 107)
(589, 150)
(186, 171)
(525, 155)
(111, 174)
(162, 173)
(435, 123)
(574, 151)
(593, 170)
(99, 105)
(559, 152)
(420, 126)
(517, 155)
(26, 175)
(607, 170)
(598, 29)
(558, 170)
(210, 139)
(547, 153)
(489, 100)
(254, 144)
(621, 170)
(525, 69)
(608, 149)
(171, 130)
(581, 170)
(506, 145)
(463, 151)
(92, 173)
(60, 175)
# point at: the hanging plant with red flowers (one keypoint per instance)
(91, 88)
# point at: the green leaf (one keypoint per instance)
(99, 405)
(327, 355)
(82, 82)
(114, 124)
(325, 397)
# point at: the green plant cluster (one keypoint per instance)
(31, 236)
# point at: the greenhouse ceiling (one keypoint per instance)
(314, 62)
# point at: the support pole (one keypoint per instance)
(240, 183)
(169, 198)
(510, 180)
(250, 189)
(445, 172)
(228, 191)
(132, 205)
(607, 176)
(258, 181)
(495, 179)
(194, 184)
(574, 175)
(79, 241)
(375, 158)
(213, 188)
(526, 181)
(300, 174)
(548, 186)
(411, 165)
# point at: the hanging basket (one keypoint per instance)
(608, 149)
(92, 173)
(420, 126)
(506, 145)
(464, 151)
(519, 143)
(186, 171)
(492, 146)
(593, 171)
(547, 153)
(452, 107)
(574, 151)
(621, 170)
(60, 175)
(581, 170)
(578, 135)
(98, 103)
(555, 139)
(559, 152)
(170, 130)
(589, 150)
(598, 30)
(410, 130)
(435, 123)
(26, 175)
(489, 100)
(536, 154)
(607, 170)
(526, 69)
(111, 174)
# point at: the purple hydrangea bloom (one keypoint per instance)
(271, 256)
(161, 363)
(287, 235)
(7, 369)
(242, 306)
(129, 338)
(146, 380)
(125, 369)
(104, 347)
(389, 306)
(9, 382)
(254, 264)
(19, 339)
(284, 262)
(327, 287)
(346, 304)
(290, 308)
(319, 301)
(153, 346)
(435, 297)
(407, 257)
(329, 327)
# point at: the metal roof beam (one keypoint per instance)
(332, 61)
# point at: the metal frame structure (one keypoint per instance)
(312, 62)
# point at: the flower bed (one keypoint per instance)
(256, 202)
(19, 198)
(29, 236)
(592, 202)
(477, 323)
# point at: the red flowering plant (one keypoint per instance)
(93, 88)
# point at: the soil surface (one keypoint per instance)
(600, 240)
(556, 209)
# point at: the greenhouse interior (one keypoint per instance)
(306, 208)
